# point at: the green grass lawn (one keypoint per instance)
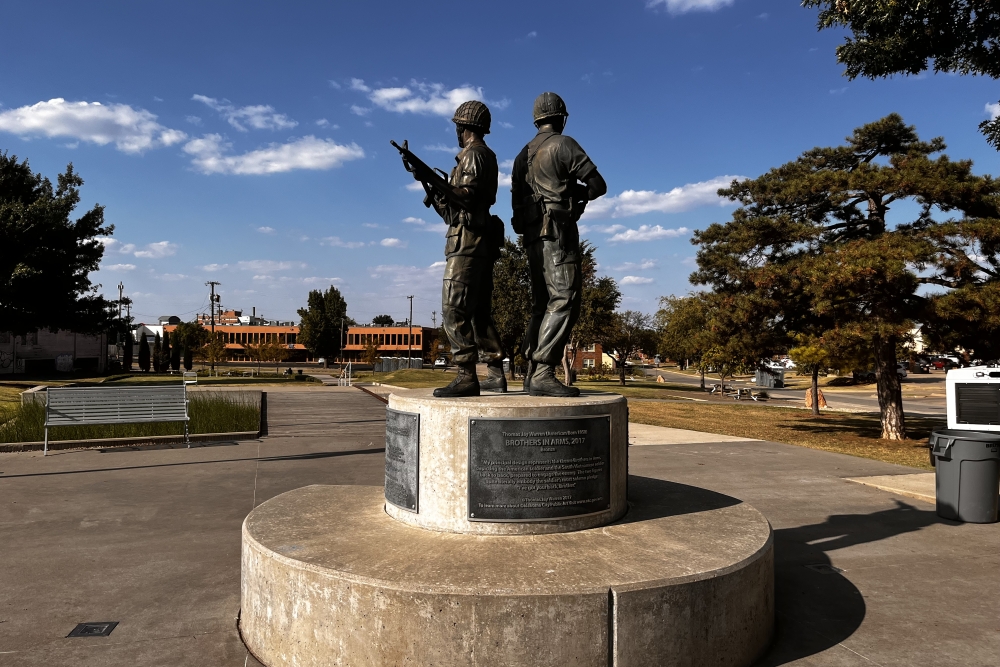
(219, 412)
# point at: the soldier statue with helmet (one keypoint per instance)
(473, 243)
(552, 181)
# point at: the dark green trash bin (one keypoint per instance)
(968, 474)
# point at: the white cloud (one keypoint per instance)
(334, 84)
(214, 267)
(130, 130)
(993, 110)
(312, 280)
(209, 156)
(266, 230)
(264, 266)
(171, 276)
(635, 280)
(684, 6)
(157, 250)
(683, 198)
(114, 245)
(336, 242)
(415, 186)
(423, 98)
(359, 111)
(603, 229)
(644, 265)
(443, 148)
(119, 267)
(194, 120)
(370, 225)
(504, 124)
(259, 116)
(647, 233)
(359, 84)
(393, 243)
(507, 164)
(424, 226)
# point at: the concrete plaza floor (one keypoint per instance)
(151, 538)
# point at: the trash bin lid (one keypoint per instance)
(943, 440)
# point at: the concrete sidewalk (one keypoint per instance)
(151, 538)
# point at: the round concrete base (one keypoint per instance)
(686, 578)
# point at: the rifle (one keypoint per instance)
(432, 180)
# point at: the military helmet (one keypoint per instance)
(474, 114)
(548, 105)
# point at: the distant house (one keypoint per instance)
(44, 351)
(592, 356)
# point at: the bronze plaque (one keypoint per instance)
(538, 469)
(402, 459)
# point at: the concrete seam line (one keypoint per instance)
(255, 471)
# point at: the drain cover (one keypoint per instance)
(99, 629)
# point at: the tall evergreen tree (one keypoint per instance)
(157, 357)
(320, 326)
(129, 352)
(143, 354)
(165, 352)
(175, 353)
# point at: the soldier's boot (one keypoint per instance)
(495, 380)
(544, 383)
(532, 365)
(465, 383)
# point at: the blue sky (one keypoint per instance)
(248, 142)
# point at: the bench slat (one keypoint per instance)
(69, 406)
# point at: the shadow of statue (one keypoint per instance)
(651, 498)
(817, 606)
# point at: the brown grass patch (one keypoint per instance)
(844, 433)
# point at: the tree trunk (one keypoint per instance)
(566, 365)
(890, 393)
(621, 369)
(815, 390)
(702, 379)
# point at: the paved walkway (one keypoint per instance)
(151, 538)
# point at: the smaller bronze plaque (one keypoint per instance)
(402, 459)
(538, 469)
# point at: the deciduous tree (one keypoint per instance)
(910, 36)
(511, 298)
(320, 327)
(630, 332)
(45, 256)
(383, 321)
(598, 303)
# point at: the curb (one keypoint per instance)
(127, 442)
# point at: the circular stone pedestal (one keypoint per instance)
(447, 429)
(687, 578)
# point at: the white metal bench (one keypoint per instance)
(190, 377)
(78, 406)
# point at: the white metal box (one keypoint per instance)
(974, 398)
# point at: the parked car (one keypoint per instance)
(440, 362)
(901, 370)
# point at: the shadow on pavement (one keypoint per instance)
(262, 459)
(651, 498)
(817, 606)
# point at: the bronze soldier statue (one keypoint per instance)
(552, 181)
(474, 239)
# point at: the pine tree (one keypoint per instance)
(129, 347)
(144, 354)
(157, 353)
(810, 246)
(165, 352)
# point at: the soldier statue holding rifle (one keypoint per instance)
(474, 239)
(552, 181)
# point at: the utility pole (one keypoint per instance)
(341, 341)
(434, 320)
(409, 347)
(211, 304)
(121, 287)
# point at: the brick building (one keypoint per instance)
(592, 356)
(392, 341)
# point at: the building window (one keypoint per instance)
(590, 348)
(588, 363)
(381, 340)
(392, 339)
(417, 336)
